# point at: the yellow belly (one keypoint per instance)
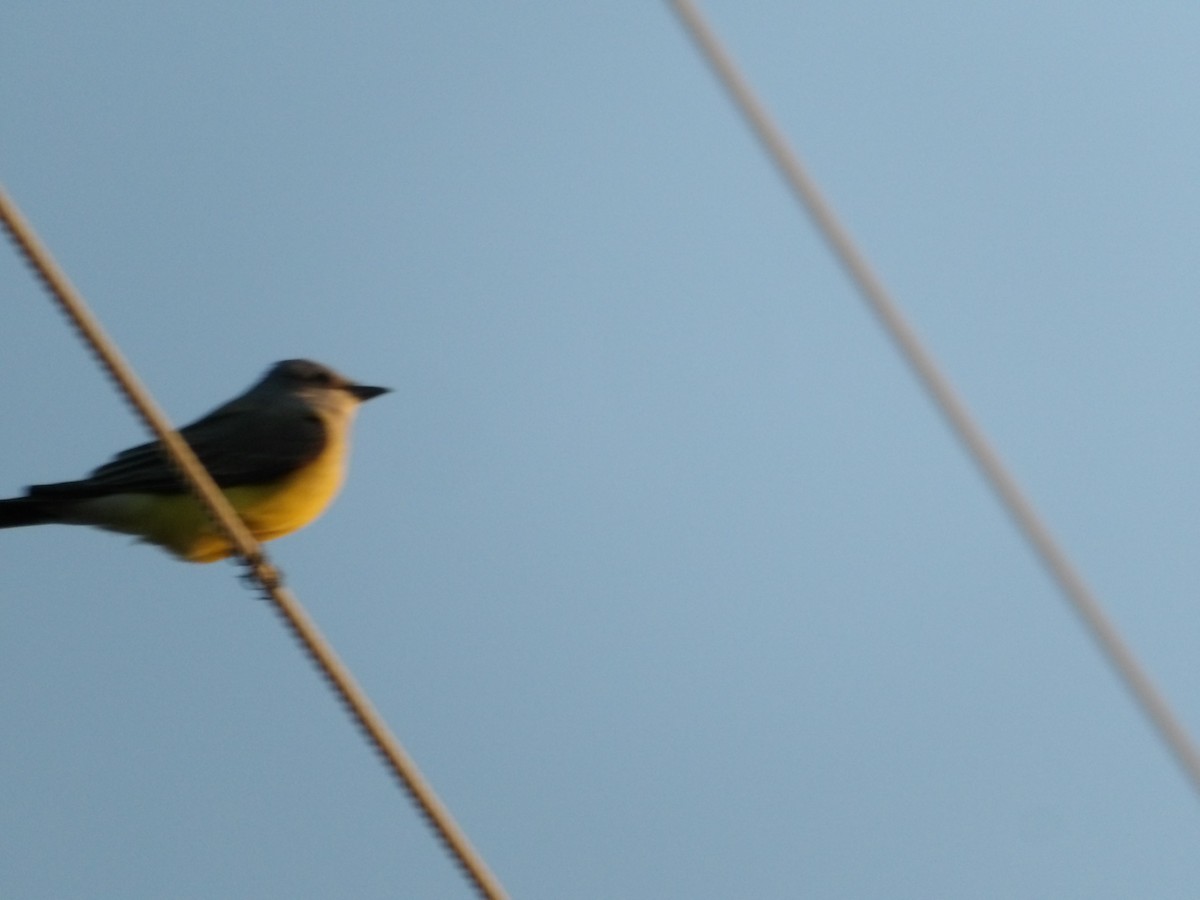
(177, 523)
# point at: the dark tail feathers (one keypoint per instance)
(25, 511)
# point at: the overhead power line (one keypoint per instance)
(249, 551)
(1020, 509)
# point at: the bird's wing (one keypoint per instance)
(237, 447)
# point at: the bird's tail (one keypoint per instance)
(26, 511)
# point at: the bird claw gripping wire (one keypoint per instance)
(258, 573)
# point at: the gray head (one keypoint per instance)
(303, 376)
(315, 386)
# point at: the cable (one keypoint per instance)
(952, 408)
(249, 551)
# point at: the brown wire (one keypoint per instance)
(249, 551)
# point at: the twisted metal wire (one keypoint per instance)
(258, 569)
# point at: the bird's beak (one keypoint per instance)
(365, 392)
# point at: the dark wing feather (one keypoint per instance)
(236, 447)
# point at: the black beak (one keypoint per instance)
(365, 392)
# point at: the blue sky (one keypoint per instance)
(657, 560)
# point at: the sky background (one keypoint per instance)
(657, 560)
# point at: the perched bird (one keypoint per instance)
(278, 452)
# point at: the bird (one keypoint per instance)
(278, 452)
